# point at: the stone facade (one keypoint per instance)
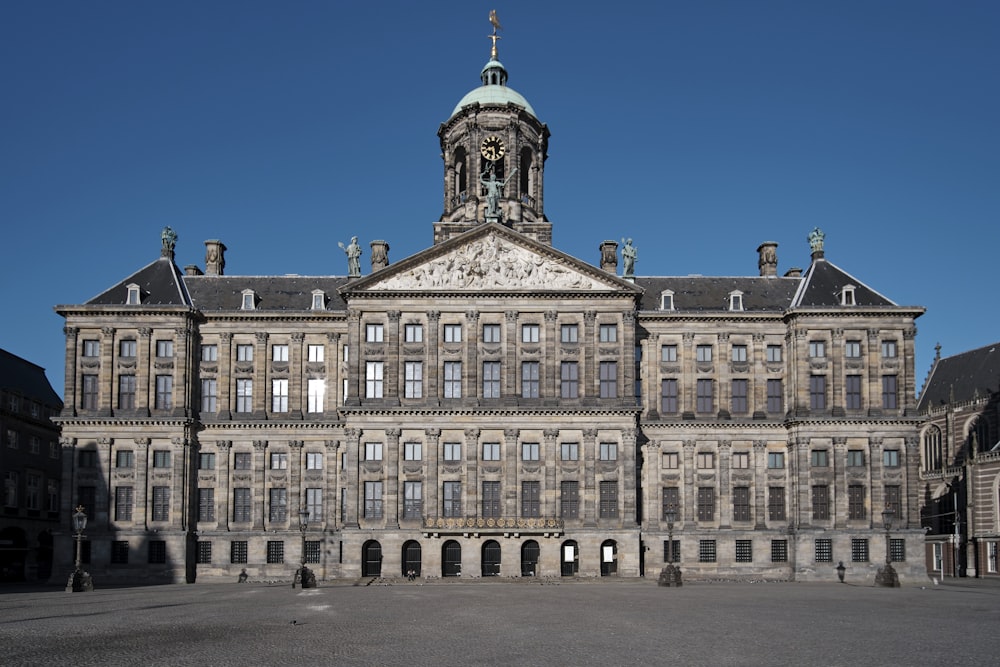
(491, 406)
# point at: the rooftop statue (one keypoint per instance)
(816, 237)
(629, 257)
(353, 251)
(169, 239)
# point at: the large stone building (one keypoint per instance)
(30, 462)
(491, 405)
(960, 465)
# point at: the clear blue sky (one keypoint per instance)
(700, 129)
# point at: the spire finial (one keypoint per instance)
(495, 22)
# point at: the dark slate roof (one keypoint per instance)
(23, 377)
(274, 293)
(160, 282)
(962, 377)
(700, 293)
(823, 283)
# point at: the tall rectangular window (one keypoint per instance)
(569, 499)
(452, 496)
(161, 503)
(817, 392)
(569, 372)
(278, 505)
(529, 379)
(374, 333)
(164, 392)
(608, 333)
(608, 500)
(316, 395)
(671, 502)
(897, 552)
(244, 395)
(314, 504)
(373, 379)
(413, 333)
(453, 379)
(703, 353)
(706, 503)
(242, 505)
(668, 353)
(88, 399)
(856, 502)
(569, 333)
(821, 502)
(739, 397)
(668, 396)
(491, 333)
(315, 354)
(569, 451)
(209, 395)
(776, 503)
(491, 379)
(705, 390)
(531, 506)
(206, 504)
(413, 500)
(373, 500)
(529, 333)
(741, 503)
(453, 333)
(491, 500)
(413, 380)
(852, 392)
(203, 552)
(889, 396)
(123, 503)
(775, 397)
(893, 502)
(244, 352)
(609, 379)
(126, 392)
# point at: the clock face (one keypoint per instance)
(492, 148)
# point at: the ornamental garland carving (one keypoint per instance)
(488, 263)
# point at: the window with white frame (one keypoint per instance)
(667, 300)
(373, 379)
(529, 333)
(888, 349)
(413, 333)
(164, 348)
(773, 353)
(530, 379)
(249, 301)
(244, 395)
(453, 379)
(670, 460)
(279, 460)
(491, 379)
(608, 333)
(91, 348)
(847, 296)
(316, 395)
(739, 353)
(705, 460)
(373, 451)
(452, 451)
(164, 392)
(279, 395)
(209, 394)
(609, 379)
(608, 451)
(852, 349)
(703, 353)
(817, 349)
(244, 352)
(529, 451)
(491, 451)
(412, 451)
(491, 333)
(127, 348)
(413, 379)
(741, 460)
(374, 333)
(132, 297)
(453, 333)
(569, 333)
(569, 379)
(736, 301)
(210, 352)
(569, 451)
(668, 353)
(318, 300)
(314, 460)
(316, 353)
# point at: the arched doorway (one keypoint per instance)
(609, 558)
(411, 558)
(529, 559)
(570, 558)
(371, 559)
(451, 559)
(491, 559)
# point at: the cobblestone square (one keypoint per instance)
(500, 623)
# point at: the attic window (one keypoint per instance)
(736, 300)
(318, 300)
(249, 300)
(847, 296)
(133, 295)
(667, 300)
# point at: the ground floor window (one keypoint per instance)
(275, 551)
(238, 552)
(706, 551)
(859, 550)
(779, 551)
(157, 551)
(312, 552)
(992, 556)
(824, 550)
(204, 552)
(744, 551)
(671, 552)
(938, 557)
(119, 552)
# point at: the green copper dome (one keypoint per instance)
(494, 90)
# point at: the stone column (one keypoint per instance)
(296, 493)
(722, 366)
(758, 377)
(800, 362)
(836, 402)
(839, 465)
(549, 379)
(391, 379)
(226, 379)
(351, 479)
(690, 491)
(470, 486)
(725, 488)
(296, 376)
(905, 387)
(508, 377)
(511, 474)
(71, 402)
(180, 463)
(688, 370)
(628, 358)
(223, 486)
(588, 490)
(181, 394)
(909, 494)
(259, 487)
(873, 392)
(432, 387)
(876, 481)
(550, 461)
(470, 364)
(626, 473)
(260, 389)
(760, 484)
(142, 379)
(589, 383)
(107, 374)
(355, 378)
(391, 498)
(432, 462)
(331, 486)
(141, 495)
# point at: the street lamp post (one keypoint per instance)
(886, 575)
(671, 574)
(79, 581)
(304, 575)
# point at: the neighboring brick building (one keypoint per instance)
(960, 463)
(30, 463)
(491, 405)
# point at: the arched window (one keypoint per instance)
(524, 178)
(461, 175)
(609, 558)
(569, 558)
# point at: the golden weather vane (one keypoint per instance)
(495, 22)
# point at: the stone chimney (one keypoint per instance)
(215, 257)
(767, 260)
(380, 255)
(609, 257)
(794, 272)
(192, 270)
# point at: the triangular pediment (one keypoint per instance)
(491, 258)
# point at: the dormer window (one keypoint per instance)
(667, 300)
(736, 300)
(249, 300)
(132, 299)
(847, 296)
(318, 300)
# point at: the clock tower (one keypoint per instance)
(494, 150)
